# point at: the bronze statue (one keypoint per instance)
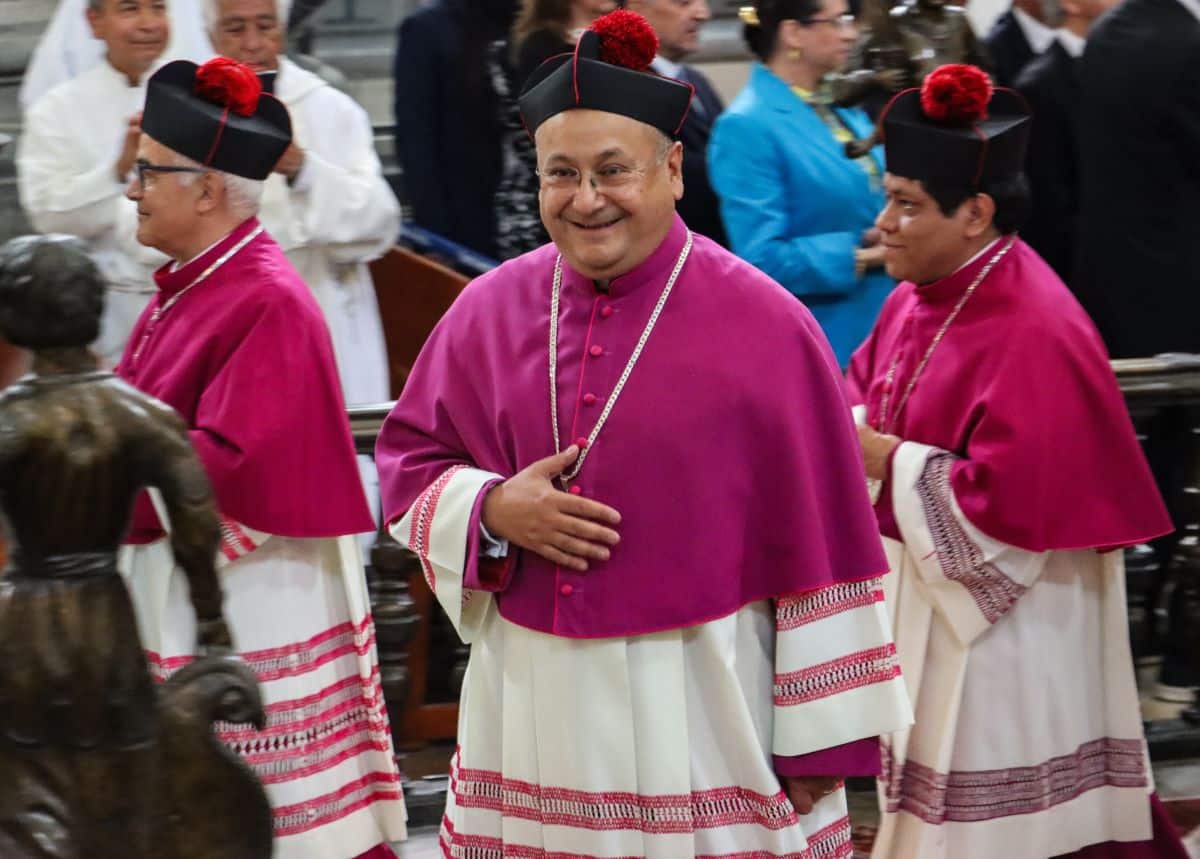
(900, 45)
(95, 761)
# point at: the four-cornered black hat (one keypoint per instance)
(218, 115)
(956, 130)
(609, 71)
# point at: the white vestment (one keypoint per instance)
(66, 177)
(655, 745)
(338, 215)
(299, 615)
(1028, 738)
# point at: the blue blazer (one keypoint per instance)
(796, 207)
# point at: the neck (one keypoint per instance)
(796, 73)
(206, 235)
(1077, 25)
(64, 361)
(671, 53)
(970, 251)
(133, 76)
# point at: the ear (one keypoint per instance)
(212, 193)
(789, 34)
(95, 22)
(675, 168)
(980, 212)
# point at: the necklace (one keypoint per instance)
(567, 476)
(884, 425)
(161, 311)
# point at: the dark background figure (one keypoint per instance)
(543, 29)
(1050, 83)
(677, 24)
(92, 754)
(447, 131)
(1138, 263)
(1019, 35)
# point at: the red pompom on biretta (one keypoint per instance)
(626, 39)
(230, 84)
(956, 93)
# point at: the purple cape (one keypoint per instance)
(1021, 390)
(245, 358)
(731, 453)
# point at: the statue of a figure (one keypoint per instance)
(900, 45)
(95, 760)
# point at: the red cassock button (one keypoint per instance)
(575, 490)
(581, 442)
(567, 590)
(589, 399)
(596, 351)
(606, 311)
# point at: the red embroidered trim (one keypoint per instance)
(797, 610)
(960, 558)
(832, 842)
(864, 668)
(235, 542)
(321, 810)
(609, 810)
(967, 796)
(422, 520)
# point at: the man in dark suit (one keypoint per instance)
(677, 23)
(1137, 268)
(1019, 35)
(1051, 85)
(447, 130)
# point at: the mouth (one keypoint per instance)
(596, 227)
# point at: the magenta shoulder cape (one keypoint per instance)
(731, 453)
(1020, 389)
(245, 357)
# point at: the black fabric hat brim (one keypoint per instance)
(974, 155)
(248, 146)
(580, 81)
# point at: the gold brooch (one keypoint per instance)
(749, 15)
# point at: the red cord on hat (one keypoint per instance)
(230, 84)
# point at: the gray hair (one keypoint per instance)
(242, 195)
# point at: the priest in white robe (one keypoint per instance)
(679, 645)
(77, 148)
(328, 205)
(1009, 479)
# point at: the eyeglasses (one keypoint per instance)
(841, 22)
(144, 167)
(610, 178)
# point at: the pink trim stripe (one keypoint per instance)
(422, 521)
(797, 610)
(967, 796)
(864, 668)
(301, 714)
(319, 811)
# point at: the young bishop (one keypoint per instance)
(1008, 479)
(627, 465)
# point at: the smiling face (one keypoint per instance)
(248, 31)
(825, 40)
(921, 243)
(608, 190)
(169, 205)
(134, 33)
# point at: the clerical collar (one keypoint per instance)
(1036, 33)
(1072, 43)
(667, 68)
(171, 280)
(176, 265)
(653, 270)
(124, 78)
(952, 285)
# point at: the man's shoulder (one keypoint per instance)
(96, 82)
(1045, 72)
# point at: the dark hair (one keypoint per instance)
(1012, 196)
(552, 15)
(51, 293)
(761, 37)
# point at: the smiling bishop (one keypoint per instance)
(627, 465)
(1007, 478)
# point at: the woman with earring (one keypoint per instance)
(543, 29)
(793, 203)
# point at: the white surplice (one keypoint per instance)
(338, 215)
(655, 745)
(299, 614)
(66, 177)
(1028, 737)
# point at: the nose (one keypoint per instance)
(133, 190)
(885, 221)
(588, 197)
(703, 12)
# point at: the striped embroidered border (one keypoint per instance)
(864, 668)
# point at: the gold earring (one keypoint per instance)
(794, 54)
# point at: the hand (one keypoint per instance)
(892, 80)
(530, 511)
(867, 258)
(290, 162)
(877, 447)
(125, 161)
(871, 237)
(212, 637)
(807, 791)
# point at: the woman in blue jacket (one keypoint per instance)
(794, 205)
